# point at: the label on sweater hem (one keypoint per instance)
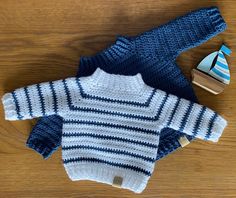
(117, 181)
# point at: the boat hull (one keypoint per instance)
(207, 82)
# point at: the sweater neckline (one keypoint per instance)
(117, 52)
(116, 82)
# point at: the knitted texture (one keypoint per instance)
(112, 123)
(152, 54)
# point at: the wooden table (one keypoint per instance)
(43, 40)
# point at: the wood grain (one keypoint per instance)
(43, 40)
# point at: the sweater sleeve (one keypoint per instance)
(33, 101)
(195, 120)
(45, 137)
(182, 33)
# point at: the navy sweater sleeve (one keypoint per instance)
(181, 34)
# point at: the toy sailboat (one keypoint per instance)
(212, 73)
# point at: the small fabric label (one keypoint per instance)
(183, 141)
(117, 181)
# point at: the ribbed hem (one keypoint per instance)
(105, 174)
(216, 19)
(41, 148)
(9, 107)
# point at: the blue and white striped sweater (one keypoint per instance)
(112, 123)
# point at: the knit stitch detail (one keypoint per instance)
(153, 54)
(87, 129)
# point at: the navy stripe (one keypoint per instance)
(85, 109)
(19, 116)
(161, 106)
(28, 101)
(55, 105)
(41, 98)
(211, 123)
(117, 126)
(87, 96)
(199, 119)
(108, 150)
(106, 137)
(173, 112)
(95, 160)
(186, 116)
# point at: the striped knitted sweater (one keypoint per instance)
(112, 123)
(153, 54)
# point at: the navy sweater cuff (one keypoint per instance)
(40, 147)
(216, 19)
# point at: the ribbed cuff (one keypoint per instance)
(9, 107)
(105, 174)
(218, 128)
(216, 19)
(40, 147)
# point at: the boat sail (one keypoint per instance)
(213, 72)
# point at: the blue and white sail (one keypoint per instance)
(220, 69)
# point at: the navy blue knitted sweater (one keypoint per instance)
(153, 54)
